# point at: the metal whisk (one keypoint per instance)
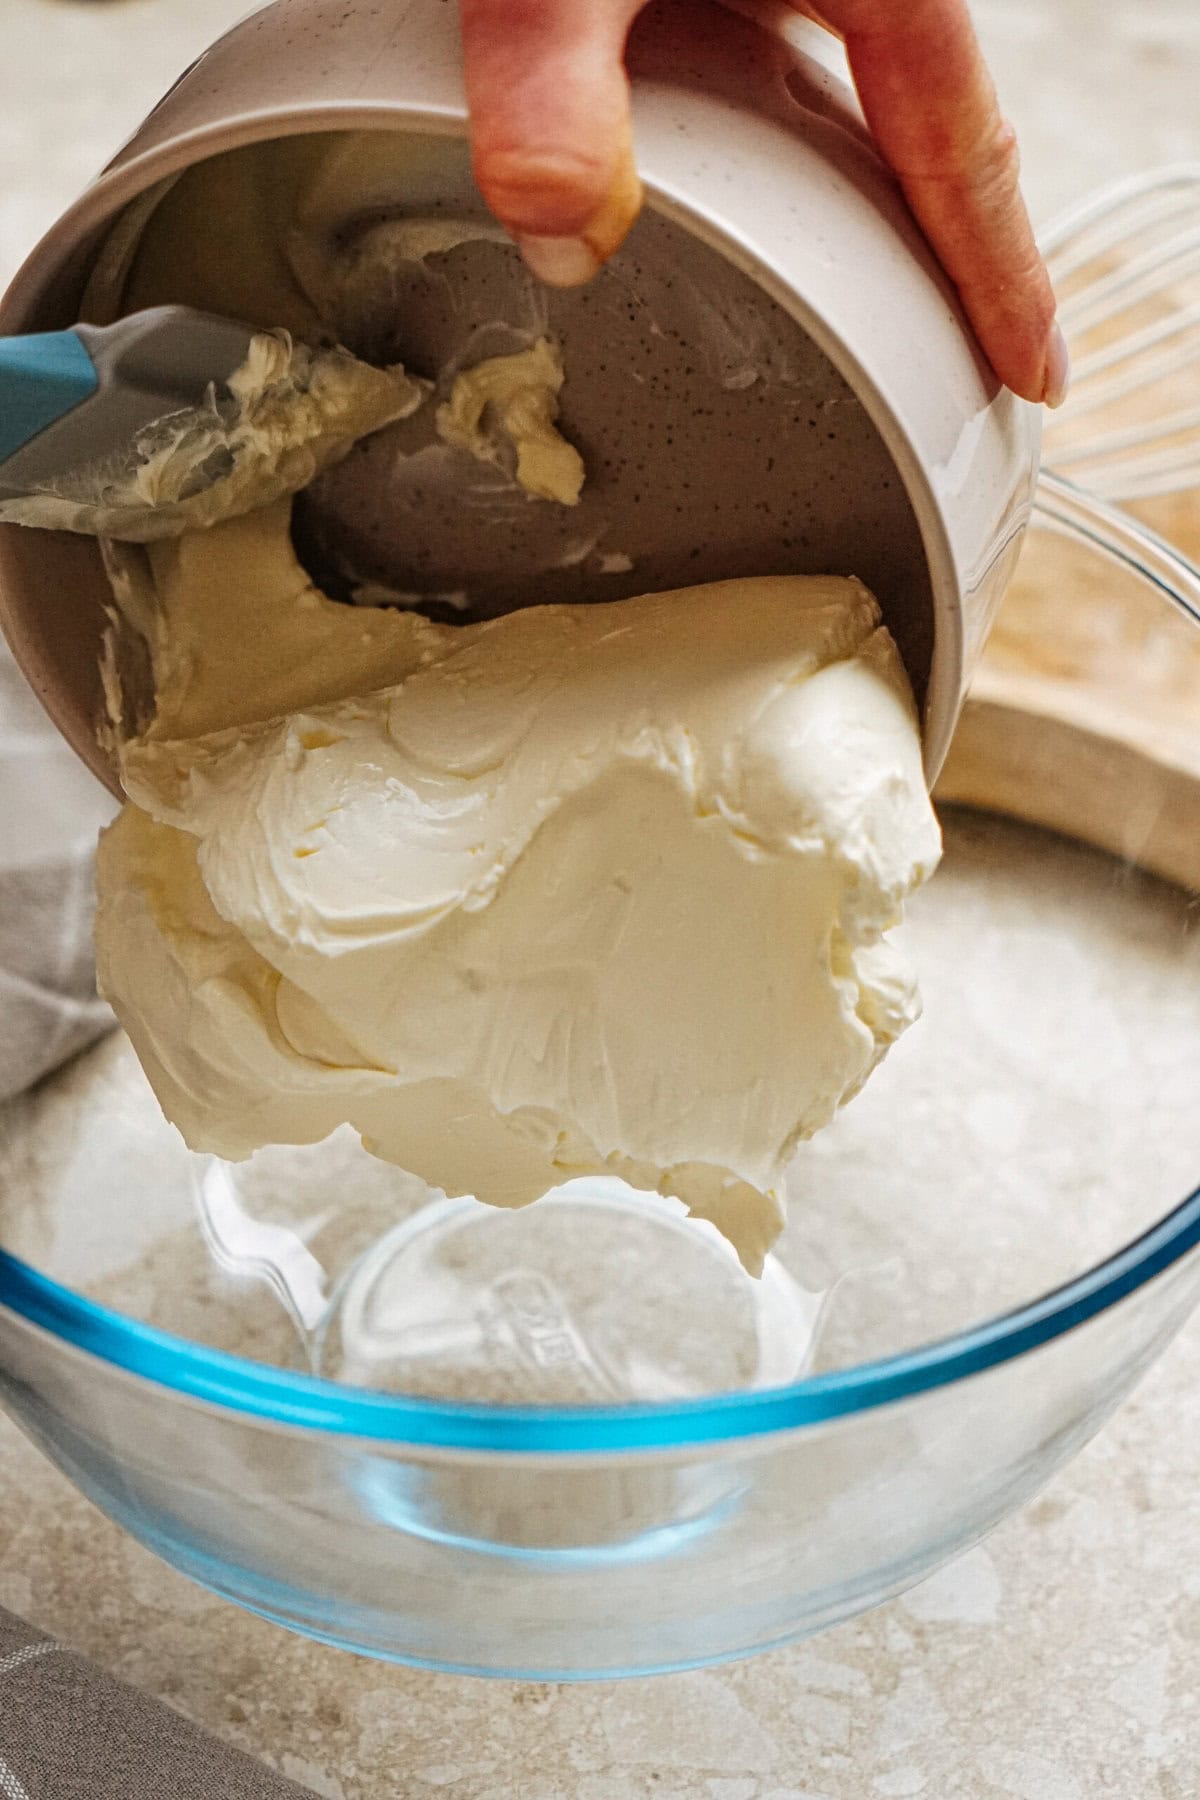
(1126, 265)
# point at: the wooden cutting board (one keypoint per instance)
(1085, 714)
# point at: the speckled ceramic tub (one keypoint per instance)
(906, 460)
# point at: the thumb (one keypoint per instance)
(549, 104)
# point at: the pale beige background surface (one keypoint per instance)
(1059, 1662)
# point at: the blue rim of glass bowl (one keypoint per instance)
(307, 1402)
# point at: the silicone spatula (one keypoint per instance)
(73, 399)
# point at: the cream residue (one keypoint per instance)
(509, 404)
(290, 412)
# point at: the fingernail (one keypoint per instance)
(1058, 369)
(607, 229)
(570, 261)
(560, 262)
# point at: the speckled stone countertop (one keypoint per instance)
(1061, 1661)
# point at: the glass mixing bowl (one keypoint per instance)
(577, 1440)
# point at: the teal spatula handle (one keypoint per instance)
(41, 378)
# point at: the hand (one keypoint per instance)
(550, 109)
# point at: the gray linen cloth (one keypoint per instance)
(51, 809)
(70, 1732)
(67, 1730)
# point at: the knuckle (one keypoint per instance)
(993, 160)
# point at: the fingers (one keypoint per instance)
(550, 109)
(932, 108)
(549, 105)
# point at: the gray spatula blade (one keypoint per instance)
(148, 366)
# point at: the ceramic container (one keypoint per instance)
(913, 468)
